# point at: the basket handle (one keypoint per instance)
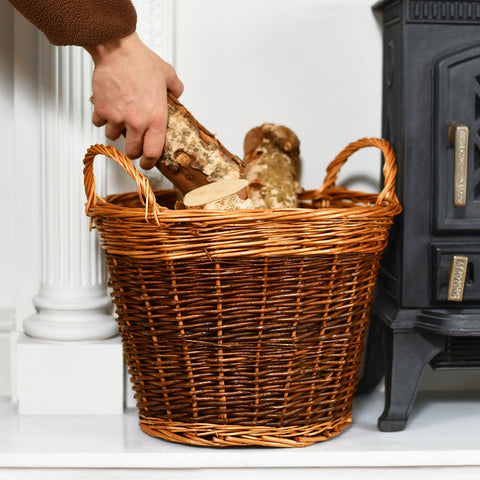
(145, 192)
(389, 167)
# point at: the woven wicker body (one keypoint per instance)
(246, 327)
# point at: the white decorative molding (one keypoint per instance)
(7, 320)
(72, 303)
(156, 26)
(79, 378)
(7, 324)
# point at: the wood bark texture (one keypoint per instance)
(192, 156)
(272, 159)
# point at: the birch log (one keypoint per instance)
(272, 159)
(192, 156)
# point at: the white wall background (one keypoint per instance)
(312, 65)
(19, 181)
(7, 266)
(6, 190)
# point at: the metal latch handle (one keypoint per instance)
(456, 282)
(458, 137)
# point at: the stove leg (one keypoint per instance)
(407, 354)
(374, 361)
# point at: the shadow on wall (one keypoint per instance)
(364, 183)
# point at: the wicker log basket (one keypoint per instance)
(244, 328)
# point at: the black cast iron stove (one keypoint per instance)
(427, 305)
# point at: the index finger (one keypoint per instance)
(153, 143)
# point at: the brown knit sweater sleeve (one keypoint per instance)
(80, 22)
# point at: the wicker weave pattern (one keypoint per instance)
(244, 328)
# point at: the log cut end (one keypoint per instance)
(222, 195)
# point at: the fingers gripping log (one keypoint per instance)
(192, 156)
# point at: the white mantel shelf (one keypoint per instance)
(442, 440)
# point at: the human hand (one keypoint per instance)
(130, 84)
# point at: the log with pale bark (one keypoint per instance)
(272, 159)
(192, 156)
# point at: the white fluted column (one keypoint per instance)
(72, 303)
(70, 359)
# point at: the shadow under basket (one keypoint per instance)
(244, 328)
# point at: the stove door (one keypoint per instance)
(457, 142)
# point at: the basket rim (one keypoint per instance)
(106, 207)
(386, 202)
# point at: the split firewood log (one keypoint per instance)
(272, 166)
(222, 195)
(192, 156)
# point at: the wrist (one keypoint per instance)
(104, 50)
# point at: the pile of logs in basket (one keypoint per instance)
(208, 176)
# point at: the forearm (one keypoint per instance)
(75, 22)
